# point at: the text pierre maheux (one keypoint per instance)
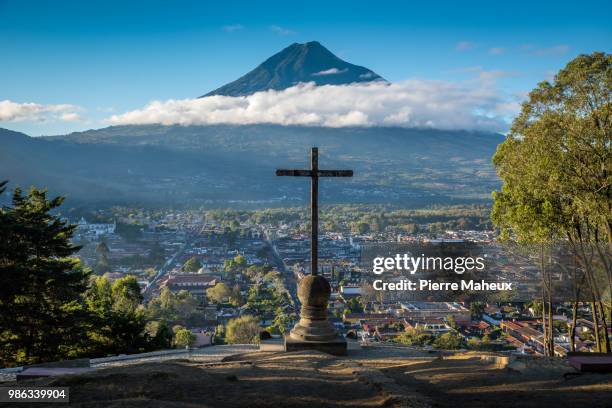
(411, 264)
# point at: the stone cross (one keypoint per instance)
(314, 173)
(314, 331)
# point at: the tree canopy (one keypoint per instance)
(42, 283)
(193, 264)
(556, 168)
(556, 163)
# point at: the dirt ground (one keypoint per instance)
(471, 382)
(371, 377)
(288, 380)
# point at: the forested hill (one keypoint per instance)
(228, 165)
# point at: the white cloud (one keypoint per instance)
(509, 108)
(331, 71)
(556, 50)
(35, 112)
(464, 45)
(281, 30)
(472, 104)
(545, 51)
(70, 117)
(233, 27)
(497, 50)
(494, 75)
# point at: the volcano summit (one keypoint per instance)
(308, 62)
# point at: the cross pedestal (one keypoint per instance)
(314, 331)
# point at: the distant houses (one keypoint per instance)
(95, 230)
(528, 338)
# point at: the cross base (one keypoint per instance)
(335, 347)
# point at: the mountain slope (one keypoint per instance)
(227, 165)
(309, 62)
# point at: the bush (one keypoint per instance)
(449, 341)
(184, 338)
(415, 337)
(242, 330)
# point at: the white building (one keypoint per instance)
(83, 227)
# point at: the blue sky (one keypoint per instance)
(110, 57)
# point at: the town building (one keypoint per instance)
(85, 228)
(195, 284)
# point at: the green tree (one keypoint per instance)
(40, 297)
(103, 264)
(536, 307)
(236, 298)
(360, 228)
(354, 305)
(556, 168)
(449, 341)
(117, 322)
(282, 320)
(179, 308)
(272, 276)
(187, 309)
(242, 330)
(218, 293)
(234, 225)
(102, 249)
(160, 334)
(219, 334)
(415, 337)
(184, 338)
(452, 323)
(150, 272)
(477, 310)
(126, 294)
(193, 264)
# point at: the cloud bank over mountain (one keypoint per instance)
(11, 111)
(471, 105)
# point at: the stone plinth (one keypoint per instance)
(336, 346)
(314, 331)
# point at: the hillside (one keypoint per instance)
(234, 165)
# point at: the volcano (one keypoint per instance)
(308, 62)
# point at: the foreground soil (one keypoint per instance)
(468, 381)
(371, 377)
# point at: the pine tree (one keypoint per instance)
(117, 320)
(103, 265)
(40, 297)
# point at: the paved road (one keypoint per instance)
(289, 278)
